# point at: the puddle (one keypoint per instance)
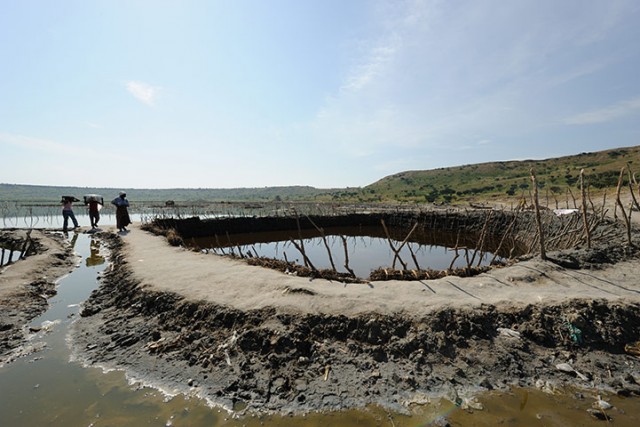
(368, 248)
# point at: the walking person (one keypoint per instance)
(67, 212)
(95, 202)
(122, 213)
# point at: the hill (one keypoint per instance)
(483, 181)
(503, 179)
(48, 194)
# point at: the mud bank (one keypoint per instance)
(279, 358)
(26, 285)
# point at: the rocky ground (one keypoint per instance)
(259, 340)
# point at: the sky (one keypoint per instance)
(326, 93)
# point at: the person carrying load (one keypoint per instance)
(122, 213)
(95, 203)
(67, 212)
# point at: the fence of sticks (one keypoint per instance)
(527, 229)
(14, 248)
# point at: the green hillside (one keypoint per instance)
(483, 181)
(504, 179)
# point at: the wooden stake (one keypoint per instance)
(506, 233)
(307, 261)
(393, 248)
(346, 256)
(301, 241)
(413, 255)
(457, 254)
(575, 205)
(326, 245)
(584, 209)
(481, 239)
(633, 195)
(543, 254)
(619, 204)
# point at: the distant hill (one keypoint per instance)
(500, 179)
(48, 194)
(483, 181)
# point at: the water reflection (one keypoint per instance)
(367, 248)
(94, 258)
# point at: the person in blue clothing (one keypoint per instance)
(122, 211)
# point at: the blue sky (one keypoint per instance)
(331, 93)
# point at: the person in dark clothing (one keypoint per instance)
(122, 212)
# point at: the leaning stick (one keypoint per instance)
(633, 196)
(406, 239)
(457, 254)
(393, 248)
(346, 256)
(584, 209)
(301, 241)
(622, 210)
(604, 202)
(575, 205)
(483, 233)
(324, 239)
(307, 261)
(593, 206)
(543, 254)
(506, 233)
(413, 255)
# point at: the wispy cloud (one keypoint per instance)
(605, 114)
(143, 92)
(46, 145)
(372, 64)
(34, 143)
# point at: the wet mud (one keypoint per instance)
(277, 361)
(23, 301)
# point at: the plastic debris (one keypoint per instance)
(506, 332)
(565, 367)
(601, 404)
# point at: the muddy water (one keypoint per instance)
(45, 388)
(368, 248)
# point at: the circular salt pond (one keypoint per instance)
(368, 248)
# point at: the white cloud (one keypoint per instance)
(143, 92)
(605, 114)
